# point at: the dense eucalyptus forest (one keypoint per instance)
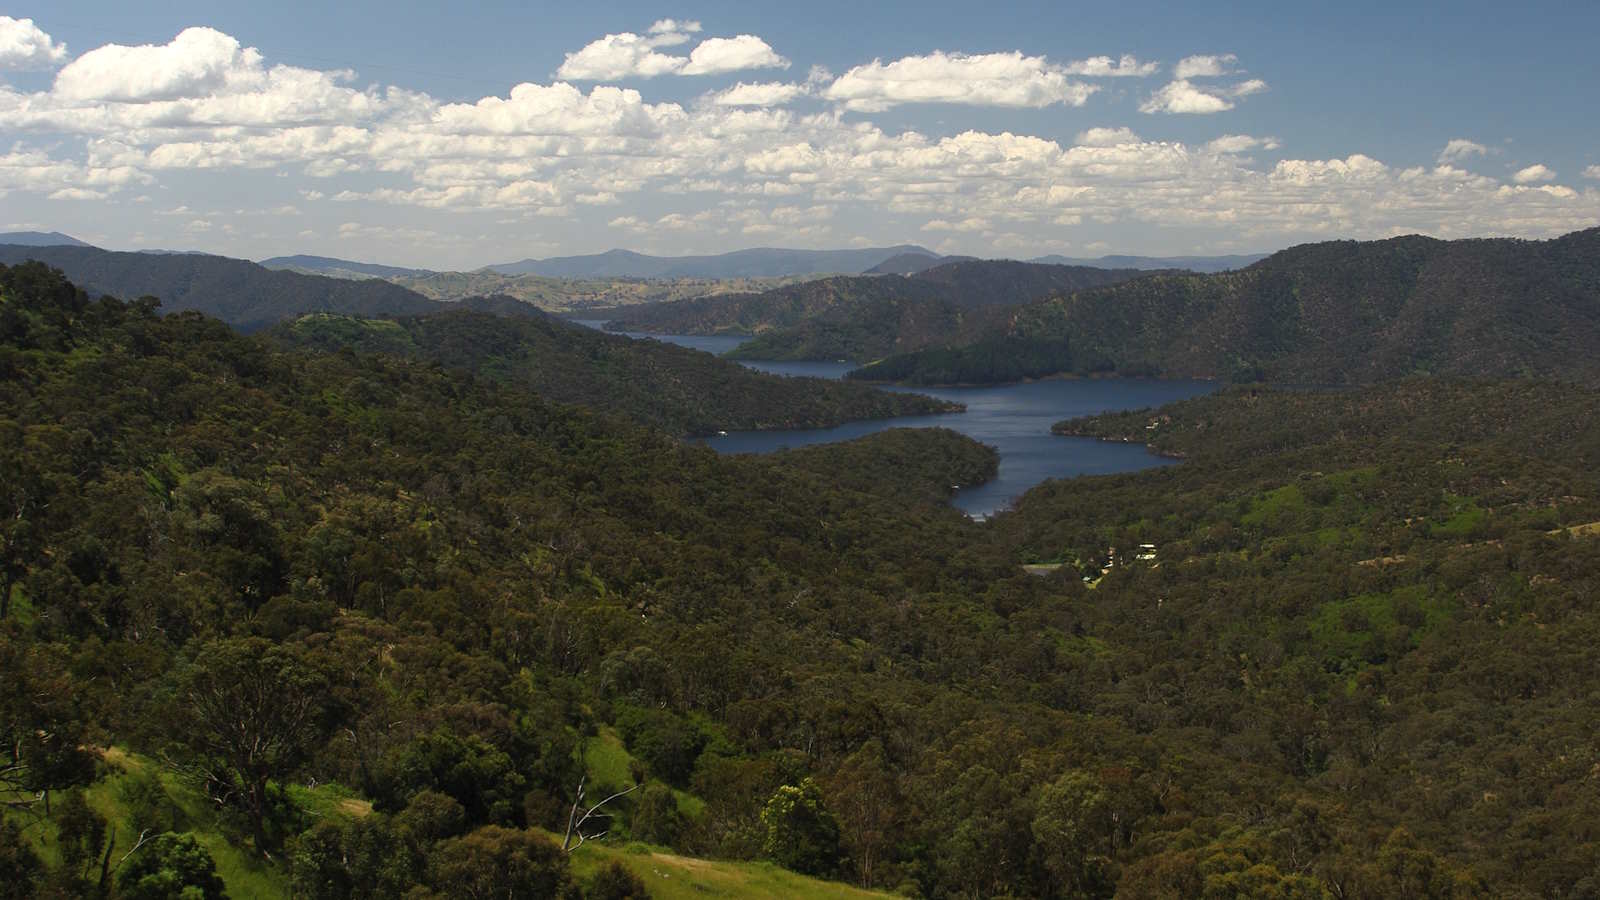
(1336, 312)
(352, 610)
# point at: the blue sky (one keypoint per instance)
(373, 131)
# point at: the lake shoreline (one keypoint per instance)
(1016, 418)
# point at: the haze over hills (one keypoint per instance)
(40, 239)
(1327, 313)
(338, 268)
(863, 317)
(912, 263)
(577, 295)
(759, 262)
(1153, 263)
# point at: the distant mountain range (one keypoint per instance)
(40, 239)
(339, 268)
(1151, 263)
(863, 317)
(761, 262)
(1330, 313)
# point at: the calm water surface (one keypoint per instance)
(1014, 419)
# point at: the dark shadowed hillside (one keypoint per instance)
(1327, 313)
(911, 263)
(864, 317)
(655, 383)
(243, 294)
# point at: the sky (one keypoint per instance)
(453, 136)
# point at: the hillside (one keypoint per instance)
(911, 263)
(40, 239)
(339, 268)
(367, 623)
(243, 294)
(865, 317)
(1331, 313)
(650, 382)
(761, 262)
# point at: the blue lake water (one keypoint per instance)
(1015, 419)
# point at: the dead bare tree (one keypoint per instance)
(575, 822)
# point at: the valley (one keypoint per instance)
(1245, 633)
(1013, 419)
(611, 452)
(409, 519)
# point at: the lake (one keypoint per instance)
(1015, 419)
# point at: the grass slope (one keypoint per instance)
(673, 877)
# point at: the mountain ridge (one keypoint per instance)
(325, 264)
(754, 262)
(1335, 312)
(41, 239)
(863, 317)
(239, 292)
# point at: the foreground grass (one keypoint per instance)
(671, 877)
(245, 873)
(248, 874)
(609, 764)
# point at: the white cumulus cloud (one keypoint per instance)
(735, 54)
(622, 56)
(988, 79)
(197, 62)
(673, 31)
(1458, 149)
(1204, 66)
(1592, 172)
(1534, 174)
(1241, 143)
(775, 93)
(1106, 67)
(1186, 97)
(557, 109)
(629, 55)
(23, 46)
(1106, 137)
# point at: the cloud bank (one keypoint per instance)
(786, 161)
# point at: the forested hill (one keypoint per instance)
(357, 625)
(41, 239)
(651, 382)
(241, 293)
(1395, 586)
(1329, 313)
(864, 317)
